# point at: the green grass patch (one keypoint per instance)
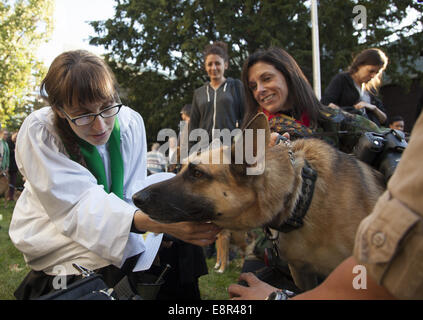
(214, 286)
(13, 268)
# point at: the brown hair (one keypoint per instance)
(77, 78)
(300, 92)
(220, 48)
(372, 57)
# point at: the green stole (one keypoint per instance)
(95, 164)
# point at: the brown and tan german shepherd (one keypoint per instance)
(345, 191)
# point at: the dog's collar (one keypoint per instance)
(295, 220)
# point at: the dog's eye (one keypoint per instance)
(197, 173)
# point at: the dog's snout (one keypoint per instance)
(141, 197)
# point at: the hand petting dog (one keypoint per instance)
(197, 233)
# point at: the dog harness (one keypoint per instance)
(295, 220)
(309, 176)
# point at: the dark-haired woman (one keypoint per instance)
(219, 103)
(355, 91)
(274, 84)
(83, 158)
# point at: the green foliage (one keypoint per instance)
(24, 25)
(155, 47)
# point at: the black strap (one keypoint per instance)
(295, 220)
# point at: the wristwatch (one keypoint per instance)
(280, 295)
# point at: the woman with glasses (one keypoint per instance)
(83, 158)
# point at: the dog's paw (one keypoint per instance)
(217, 266)
(220, 271)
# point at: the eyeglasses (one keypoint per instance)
(89, 118)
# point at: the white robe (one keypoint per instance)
(63, 216)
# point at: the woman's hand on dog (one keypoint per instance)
(274, 138)
(256, 290)
(198, 233)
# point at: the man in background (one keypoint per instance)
(156, 161)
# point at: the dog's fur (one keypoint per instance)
(345, 192)
(4, 187)
(224, 238)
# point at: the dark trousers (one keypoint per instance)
(188, 264)
(12, 182)
(181, 283)
(38, 283)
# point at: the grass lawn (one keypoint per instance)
(12, 265)
(13, 268)
(214, 286)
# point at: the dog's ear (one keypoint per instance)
(260, 122)
(249, 148)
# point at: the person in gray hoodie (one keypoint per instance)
(219, 103)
